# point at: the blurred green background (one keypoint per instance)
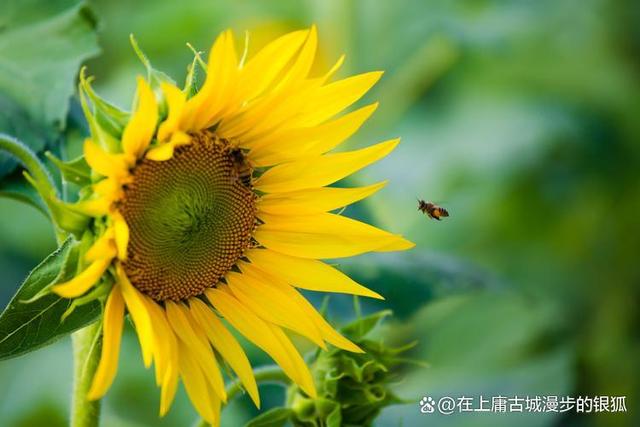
(520, 117)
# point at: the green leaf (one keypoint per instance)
(42, 45)
(15, 121)
(25, 327)
(16, 187)
(276, 417)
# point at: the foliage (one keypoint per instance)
(34, 318)
(41, 48)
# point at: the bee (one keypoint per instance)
(242, 165)
(433, 211)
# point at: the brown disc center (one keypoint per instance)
(190, 218)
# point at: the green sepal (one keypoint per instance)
(108, 125)
(100, 135)
(64, 218)
(191, 81)
(98, 293)
(275, 417)
(308, 411)
(27, 327)
(111, 118)
(76, 171)
(67, 218)
(154, 77)
(334, 416)
(362, 326)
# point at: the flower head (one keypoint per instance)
(215, 203)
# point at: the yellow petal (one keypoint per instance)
(208, 364)
(321, 236)
(162, 152)
(83, 281)
(329, 100)
(195, 384)
(224, 342)
(306, 380)
(308, 274)
(282, 99)
(264, 335)
(142, 125)
(110, 188)
(229, 83)
(121, 230)
(319, 171)
(218, 88)
(274, 112)
(278, 147)
(264, 115)
(106, 164)
(165, 150)
(272, 305)
(216, 405)
(268, 63)
(166, 354)
(314, 200)
(163, 337)
(334, 69)
(103, 248)
(97, 207)
(113, 320)
(139, 314)
(196, 344)
(302, 63)
(328, 333)
(169, 388)
(399, 244)
(176, 101)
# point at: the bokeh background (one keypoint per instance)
(520, 117)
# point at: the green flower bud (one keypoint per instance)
(353, 388)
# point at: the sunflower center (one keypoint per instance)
(190, 218)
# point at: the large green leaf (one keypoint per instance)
(14, 186)
(15, 121)
(27, 326)
(42, 45)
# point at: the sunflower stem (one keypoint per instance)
(44, 183)
(264, 375)
(86, 355)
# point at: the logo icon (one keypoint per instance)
(427, 405)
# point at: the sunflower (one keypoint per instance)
(212, 207)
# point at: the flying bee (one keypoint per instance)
(242, 165)
(432, 210)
